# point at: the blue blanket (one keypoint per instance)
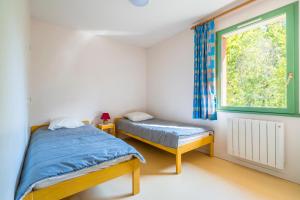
(162, 132)
(55, 153)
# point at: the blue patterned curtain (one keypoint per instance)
(205, 72)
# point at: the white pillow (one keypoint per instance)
(138, 116)
(64, 123)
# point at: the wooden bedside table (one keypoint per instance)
(109, 128)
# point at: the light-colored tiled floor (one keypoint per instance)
(202, 178)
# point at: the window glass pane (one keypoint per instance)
(254, 65)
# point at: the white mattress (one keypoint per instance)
(53, 180)
(183, 141)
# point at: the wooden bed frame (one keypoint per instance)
(207, 140)
(81, 183)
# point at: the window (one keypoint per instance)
(258, 63)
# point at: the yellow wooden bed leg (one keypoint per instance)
(178, 163)
(136, 178)
(211, 149)
(29, 196)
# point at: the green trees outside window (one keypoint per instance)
(258, 63)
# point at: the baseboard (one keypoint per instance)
(273, 172)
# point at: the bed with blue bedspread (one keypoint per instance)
(62, 154)
(167, 133)
(174, 137)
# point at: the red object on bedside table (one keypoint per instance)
(105, 117)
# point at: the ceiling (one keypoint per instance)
(119, 19)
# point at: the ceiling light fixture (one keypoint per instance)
(139, 3)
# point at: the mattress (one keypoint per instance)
(186, 140)
(53, 180)
(55, 156)
(166, 133)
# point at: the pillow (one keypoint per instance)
(64, 123)
(138, 116)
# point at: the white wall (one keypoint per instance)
(170, 90)
(14, 42)
(78, 74)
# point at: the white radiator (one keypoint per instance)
(257, 140)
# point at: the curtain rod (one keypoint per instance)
(222, 13)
